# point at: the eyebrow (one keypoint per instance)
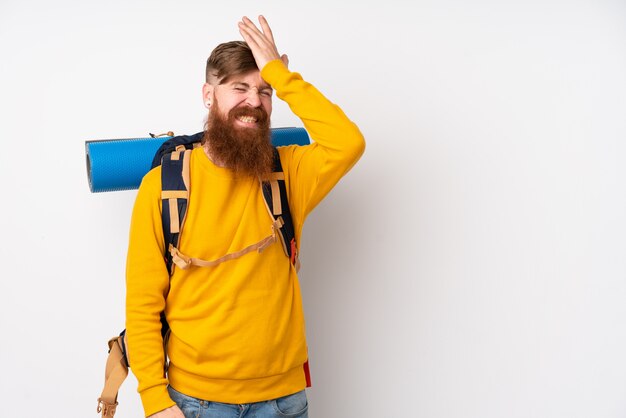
(246, 85)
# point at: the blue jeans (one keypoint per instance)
(290, 406)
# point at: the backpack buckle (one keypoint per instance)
(107, 409)
(181, 260)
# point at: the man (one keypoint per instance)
(237, 345)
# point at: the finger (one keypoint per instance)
(285, 59)
(251, 31)
(266, 28)
(249, 24)
(265, 37)
(245, 33)
(256, 39)
(263, 48)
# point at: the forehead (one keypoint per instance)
(251, 78)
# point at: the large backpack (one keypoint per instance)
(174, 156)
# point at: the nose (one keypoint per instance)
(253, 98)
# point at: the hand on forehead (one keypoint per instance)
(261, 41)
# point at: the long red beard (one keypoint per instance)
(246, 151)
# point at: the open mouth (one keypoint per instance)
(247, 119)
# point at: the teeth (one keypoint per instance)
(247, 119)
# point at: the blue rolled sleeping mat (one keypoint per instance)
(120, 164)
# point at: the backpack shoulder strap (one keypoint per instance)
(175, 187)
(115, 374)
(188, 141)
(275, 195)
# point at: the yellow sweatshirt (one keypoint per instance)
(237, 329)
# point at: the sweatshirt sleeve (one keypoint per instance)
(147, 283)
(314, 169)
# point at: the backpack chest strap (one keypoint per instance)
(184, 262)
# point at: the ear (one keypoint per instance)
(207, 95)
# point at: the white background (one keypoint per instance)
(472, 265)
